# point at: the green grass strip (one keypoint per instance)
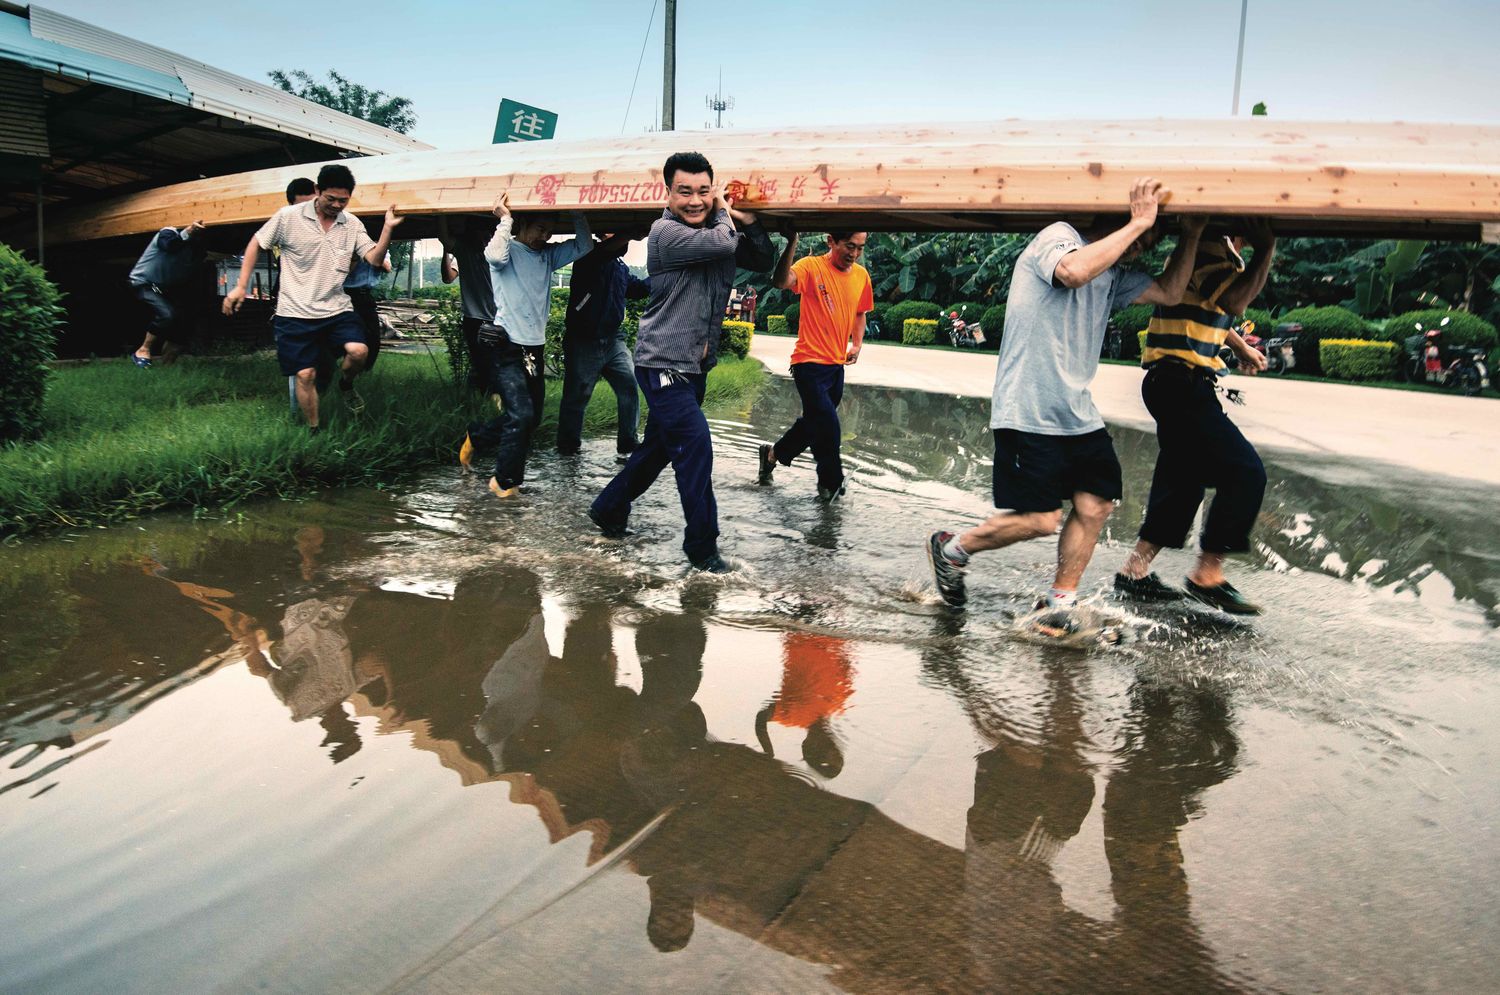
(119, 442)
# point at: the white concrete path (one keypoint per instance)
(1432, 433)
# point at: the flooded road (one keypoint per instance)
(420, 741)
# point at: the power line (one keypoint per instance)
(650, 20)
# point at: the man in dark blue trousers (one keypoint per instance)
(594, 343)
(691, 256)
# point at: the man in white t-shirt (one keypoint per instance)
(1050, 441)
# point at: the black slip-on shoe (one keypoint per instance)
(1147, 588)
(611, 530)
(766, 464)
(947, 576)
(1221, 596)
(826, 496)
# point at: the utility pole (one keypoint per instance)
(719, 104)
(1239, 60)
(669, 70)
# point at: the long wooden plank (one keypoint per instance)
(1434, 180)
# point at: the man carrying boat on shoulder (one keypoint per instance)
(1050, 441)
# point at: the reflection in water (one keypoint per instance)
(816, 680)
(566, 680)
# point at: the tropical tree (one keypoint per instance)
(375, 106)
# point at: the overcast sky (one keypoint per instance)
(804, 63)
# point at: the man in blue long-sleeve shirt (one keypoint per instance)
(162, 270)
(521, 267)
(691, 256)
(594, 343)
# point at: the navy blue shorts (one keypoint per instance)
(1039, 472)
(300, 340)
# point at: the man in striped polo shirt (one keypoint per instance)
(1199, 446)
(319, 242)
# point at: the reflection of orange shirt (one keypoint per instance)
(817, 677)
(832, 302)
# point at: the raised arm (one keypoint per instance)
(445, 238)
(680, 246)
(375, 254)
(1168, 288)
(498, 251)
(580, 244)
(1087, 262)
(783, 278)
(1248, 285)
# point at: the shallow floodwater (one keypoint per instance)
(419, 741)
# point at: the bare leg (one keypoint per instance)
(1010, 527)
(1138, 563)
(307, 395)
(354, 359)
(1079, 535)
(145, 350)
(1209, 571)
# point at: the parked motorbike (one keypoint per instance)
(962, 334)
(1281, 347)
(1463, 368)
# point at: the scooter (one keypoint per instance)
(1281, 348)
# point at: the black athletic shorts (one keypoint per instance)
(1039, 472)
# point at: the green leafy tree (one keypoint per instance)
(375, 106)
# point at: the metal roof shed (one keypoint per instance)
(87, 113)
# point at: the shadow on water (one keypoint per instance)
(805, 776)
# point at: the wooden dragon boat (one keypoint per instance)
(1437, 181)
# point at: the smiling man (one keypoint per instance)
(691, 255)
(836, 297)
(319, 242)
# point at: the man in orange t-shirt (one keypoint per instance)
(836, 297)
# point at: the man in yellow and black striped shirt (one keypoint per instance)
(1200, 446)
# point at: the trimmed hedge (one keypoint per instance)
(993, 323)
(776, 325)
(1463, 328)
(880, 314)
(1357, 359)
(1140, 338)
(735, 338)
(793, 316)
(919, 331)
(30, 316)
(1132, 319)
(897, 315)
(1319, 323)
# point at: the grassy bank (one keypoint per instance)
(209, 433)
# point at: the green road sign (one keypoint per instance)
(518, 122)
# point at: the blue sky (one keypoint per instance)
(806, 64)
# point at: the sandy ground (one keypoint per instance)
(1432, 433)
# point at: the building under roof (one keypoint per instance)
(88, 114)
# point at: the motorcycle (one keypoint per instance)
(1281, 348)
(1463, 368)
(962, 334)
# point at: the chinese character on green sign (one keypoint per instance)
(518, 122)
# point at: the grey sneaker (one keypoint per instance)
(1221, 596)
(1147, 588)
(946, 575)
(766, 460)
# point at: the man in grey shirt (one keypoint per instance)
(1050, 442)
(691, 256)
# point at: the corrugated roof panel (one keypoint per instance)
(18, 44)
(233, 96)
(23, 116)
(223, 93)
